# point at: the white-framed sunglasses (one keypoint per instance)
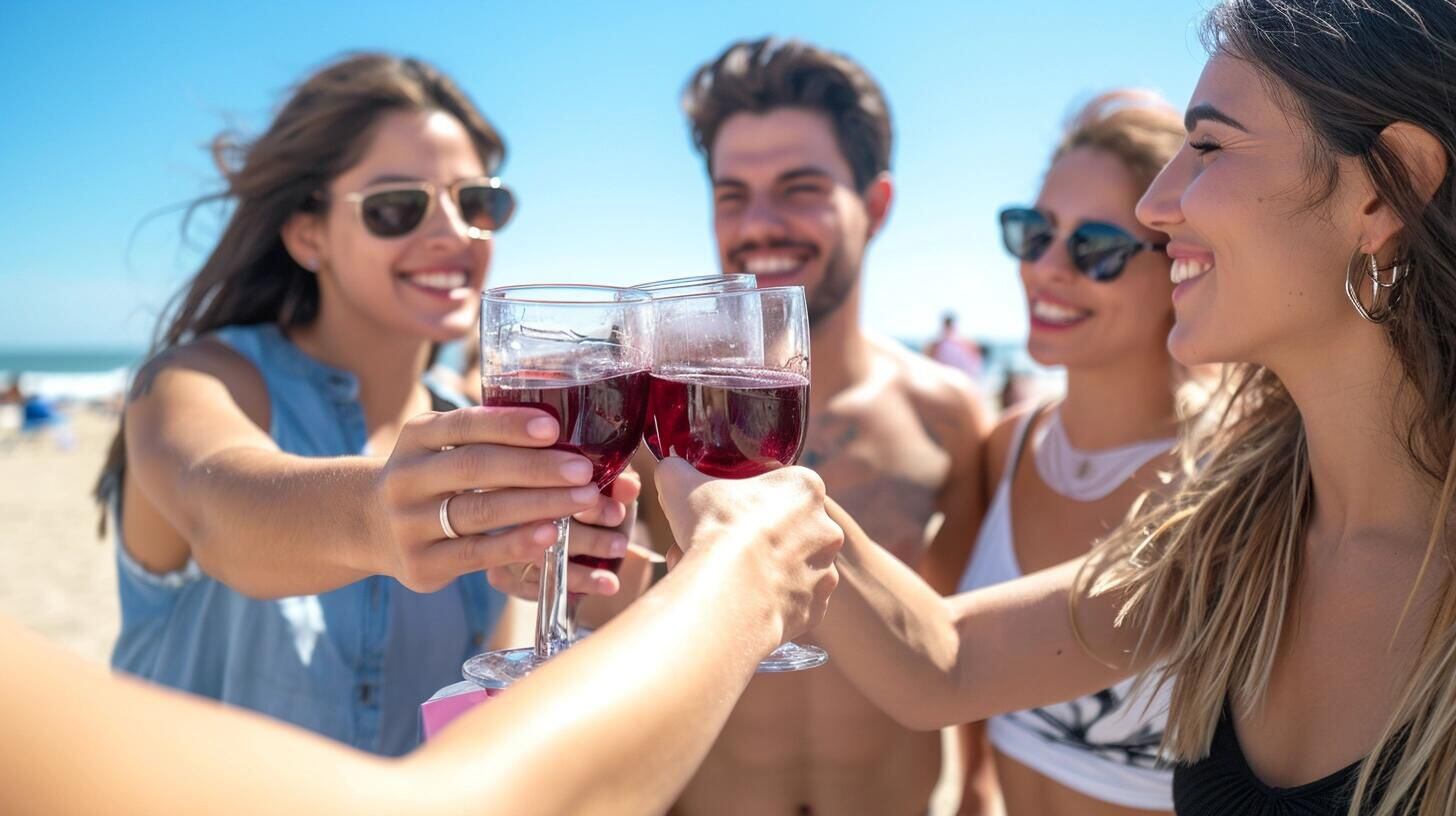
(395, 209)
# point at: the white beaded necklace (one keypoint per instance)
(1089, 475)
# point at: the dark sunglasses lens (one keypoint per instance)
(1025, 233)
(393, 213)
(1101, 250)
(485, 207)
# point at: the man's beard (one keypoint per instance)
(841, 276)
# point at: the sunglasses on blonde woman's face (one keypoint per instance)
(396, 209)
(1099, 251)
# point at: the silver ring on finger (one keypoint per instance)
(445, 519)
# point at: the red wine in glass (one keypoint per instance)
(600, 418)
(728, 422)
(581, 353)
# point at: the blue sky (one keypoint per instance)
(108, 108)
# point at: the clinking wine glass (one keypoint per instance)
(730, 394)
(671, 287)
(582, 354)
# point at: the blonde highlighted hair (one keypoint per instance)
(1136, 126)
(1209, 574)
(1143, 132)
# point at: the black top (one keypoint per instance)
(1223, 784)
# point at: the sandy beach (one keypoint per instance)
(59, 577)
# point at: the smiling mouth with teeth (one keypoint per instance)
(1056, 315)
(771, 265)
(1186, 269)
(439, 281)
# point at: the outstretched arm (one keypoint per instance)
(930, 661)
(615, 725)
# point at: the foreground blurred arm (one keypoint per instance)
(614, 725)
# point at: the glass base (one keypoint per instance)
(792, 657)
(501, 670)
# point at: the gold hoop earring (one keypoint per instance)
(1381, 306)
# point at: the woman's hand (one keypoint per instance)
(487, 472)
(600, 531)
(771, 531)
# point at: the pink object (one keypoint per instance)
(450, 702)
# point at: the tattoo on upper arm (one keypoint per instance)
(817, 452)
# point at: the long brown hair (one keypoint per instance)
(1211, 573)
(321, 131)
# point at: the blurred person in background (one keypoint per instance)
(950, 348)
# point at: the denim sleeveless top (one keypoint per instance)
(352, 664)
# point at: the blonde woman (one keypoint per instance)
(1295, 590)
(1097, 294)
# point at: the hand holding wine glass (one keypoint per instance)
(600, 540)
(581, 354)
(439, 461)
(773, 529)
(730, 394)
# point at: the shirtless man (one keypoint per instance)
(797, 142)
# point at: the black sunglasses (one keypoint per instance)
(395, 210)
(1100, 251)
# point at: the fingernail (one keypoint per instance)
(618, 547)
(584, 495)
(545, 534)
(578, 470)
(602, 577)
(542, 428)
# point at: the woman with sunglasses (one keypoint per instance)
(1295, 590)
(296, 531)
(1097, 293)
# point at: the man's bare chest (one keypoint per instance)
(886, 468)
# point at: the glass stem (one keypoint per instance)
(552, 625)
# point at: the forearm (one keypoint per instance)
(150, 751)
(891, 634)
(271, 524)
(618, 723)
(931, 662)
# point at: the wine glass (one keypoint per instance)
(698, 284)
(730, 394)
(582, 354)
(671, 287)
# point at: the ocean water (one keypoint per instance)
(70, 374)
(100, 374)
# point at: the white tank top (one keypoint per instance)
(1103, 745)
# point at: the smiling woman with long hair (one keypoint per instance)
(296, 532)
